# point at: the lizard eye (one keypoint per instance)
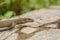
(29, 20)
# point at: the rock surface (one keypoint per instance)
(42, 16)
(28, 30)
(8, 35)
(52, 25)
(51, 34)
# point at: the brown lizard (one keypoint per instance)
(7, 24)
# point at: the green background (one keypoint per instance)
(10, 8)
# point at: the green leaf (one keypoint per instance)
(8, 14)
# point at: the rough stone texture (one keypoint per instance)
(8, 35)
(42, 16)
(12, 37)
(51, 34)
(52, 25)
(28, 30)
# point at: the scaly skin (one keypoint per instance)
(9, 22)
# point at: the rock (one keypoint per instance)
(35, 24)
(32, 24)
(42, 16)
(28, 30)
(12, 37)
(6, 34)
(52, 25)
(51, 34)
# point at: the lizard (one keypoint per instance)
(10, 23)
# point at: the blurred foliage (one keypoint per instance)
(10, 8)
(28, 5)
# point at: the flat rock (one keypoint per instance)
(28, 30)
(42, 16)
(12, 37)
(51, 34)
(34, 24)
(8, 35)
(52, 25)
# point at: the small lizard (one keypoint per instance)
(8, 24)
